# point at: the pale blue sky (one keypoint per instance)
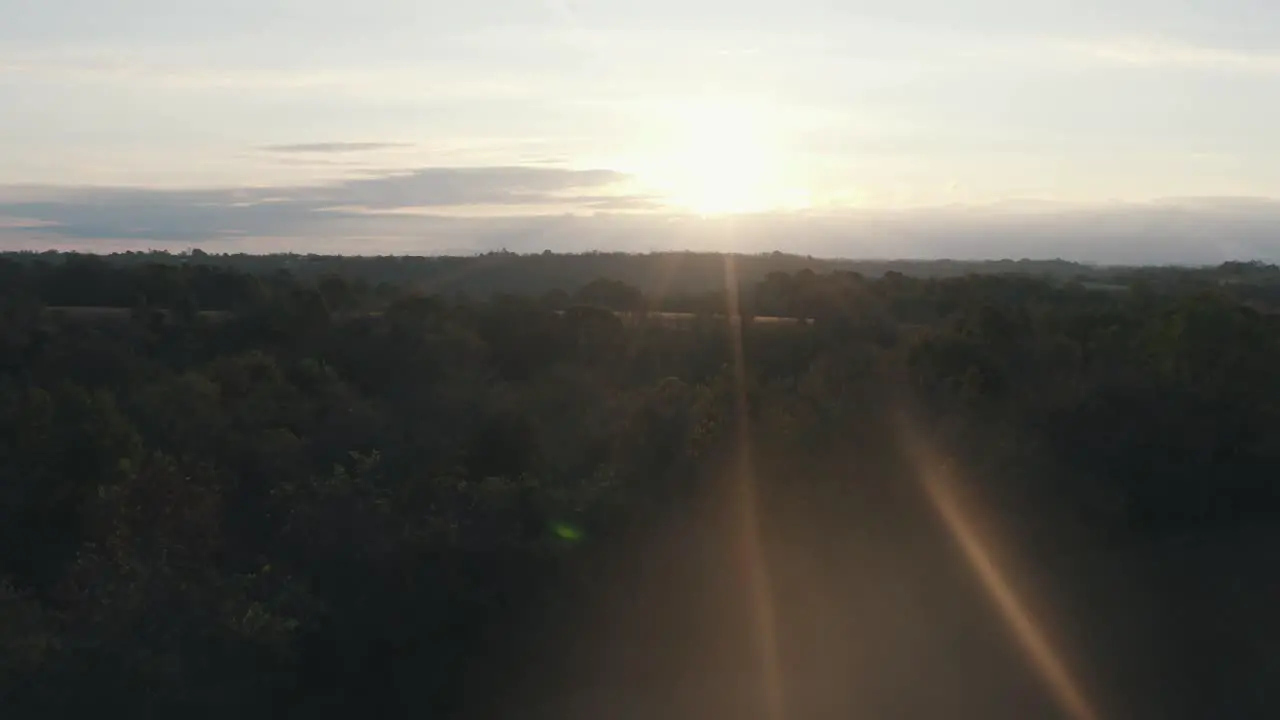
(802, 108)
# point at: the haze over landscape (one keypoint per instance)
(663, 360)
(1088, 130)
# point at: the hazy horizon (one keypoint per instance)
(1075, 130)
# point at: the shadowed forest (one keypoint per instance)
(519, 486)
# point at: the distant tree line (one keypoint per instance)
(656, 274)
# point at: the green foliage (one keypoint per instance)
(328, 493)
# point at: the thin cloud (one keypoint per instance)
(438, 81)
(435, 187)
(8, 222)
(1183, 230)
(193, 214)
(313, 162)
(623, 203)
(334, 147)
(430, 209)
(1160, 53)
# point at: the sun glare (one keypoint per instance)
(719, 158)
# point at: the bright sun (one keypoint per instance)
(719, 158)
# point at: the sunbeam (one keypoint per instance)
(940, 487)
(748, 543)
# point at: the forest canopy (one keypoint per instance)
(279, 486)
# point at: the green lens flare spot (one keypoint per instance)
(566, 532)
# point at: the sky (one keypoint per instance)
(1101, 130)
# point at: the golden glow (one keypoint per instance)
(1048, 662)
(747, 537)
(720, 157)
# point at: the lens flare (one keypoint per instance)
(564, 531)
(748, 540)
(940, 487)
